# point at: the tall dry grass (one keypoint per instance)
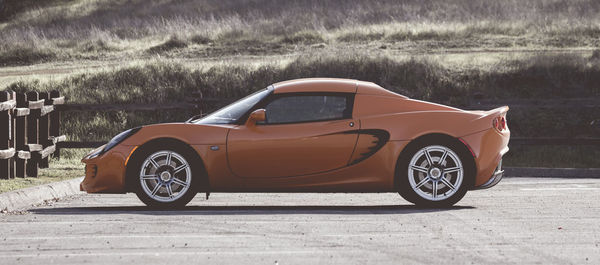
(548, 76)
(96, 28)
(159, 81)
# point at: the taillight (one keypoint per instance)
(499, 123)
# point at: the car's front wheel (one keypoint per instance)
(165, 179)
(434, 176)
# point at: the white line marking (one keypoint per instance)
(191, 236)
(123, 236)
(170, 253)
(562, 188)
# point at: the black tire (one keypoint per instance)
(419, 195)
(178, 152)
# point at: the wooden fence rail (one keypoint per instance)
(202, 104)
(29, 132)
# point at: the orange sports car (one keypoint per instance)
(309, 135)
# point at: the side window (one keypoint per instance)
(307, 108)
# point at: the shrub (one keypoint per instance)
(24, 56)
(422, 35)
(171, 44)
(303, 37)
(360, 36)
(96, 46)
(200, 39)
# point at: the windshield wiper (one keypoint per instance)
(195, 117)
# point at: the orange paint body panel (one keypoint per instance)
(487, 161)
(355, 154)
(320, 145)
(316, 85)
(108, 176)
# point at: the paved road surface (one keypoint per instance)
(519, 221)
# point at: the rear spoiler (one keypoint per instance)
(496, 111)
(490, 113)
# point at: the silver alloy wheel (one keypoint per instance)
(435, 172)
(165, 176)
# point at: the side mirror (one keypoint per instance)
(256, 116)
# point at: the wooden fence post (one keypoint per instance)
(35, 107)
(55, 122)
(12, 162)
(6, 152)
(12, 132)
(21, 113)
(43, 128)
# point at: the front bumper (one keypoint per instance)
(106, 173)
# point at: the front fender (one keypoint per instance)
(192, 134)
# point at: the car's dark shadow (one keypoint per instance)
(246, 210)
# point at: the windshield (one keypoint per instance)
(234, 111)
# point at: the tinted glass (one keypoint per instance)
(305, 108)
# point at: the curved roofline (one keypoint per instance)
(313, 79)
(332, 85)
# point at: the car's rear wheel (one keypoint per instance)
(434, 176)
(165, 178)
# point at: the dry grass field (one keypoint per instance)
(42, 31)
(448, 51)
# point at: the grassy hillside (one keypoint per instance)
(101, 29)
(540, 77)
(162, 81)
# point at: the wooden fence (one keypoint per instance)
(203, 104)
(29, 132)
(29, 125)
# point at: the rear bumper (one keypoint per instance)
(488, 147)
(495, 179)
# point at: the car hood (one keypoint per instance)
(187, 132)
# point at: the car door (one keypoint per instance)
(304, 133)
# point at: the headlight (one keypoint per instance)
(119, 138)
(94, 153)
(113, 142)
